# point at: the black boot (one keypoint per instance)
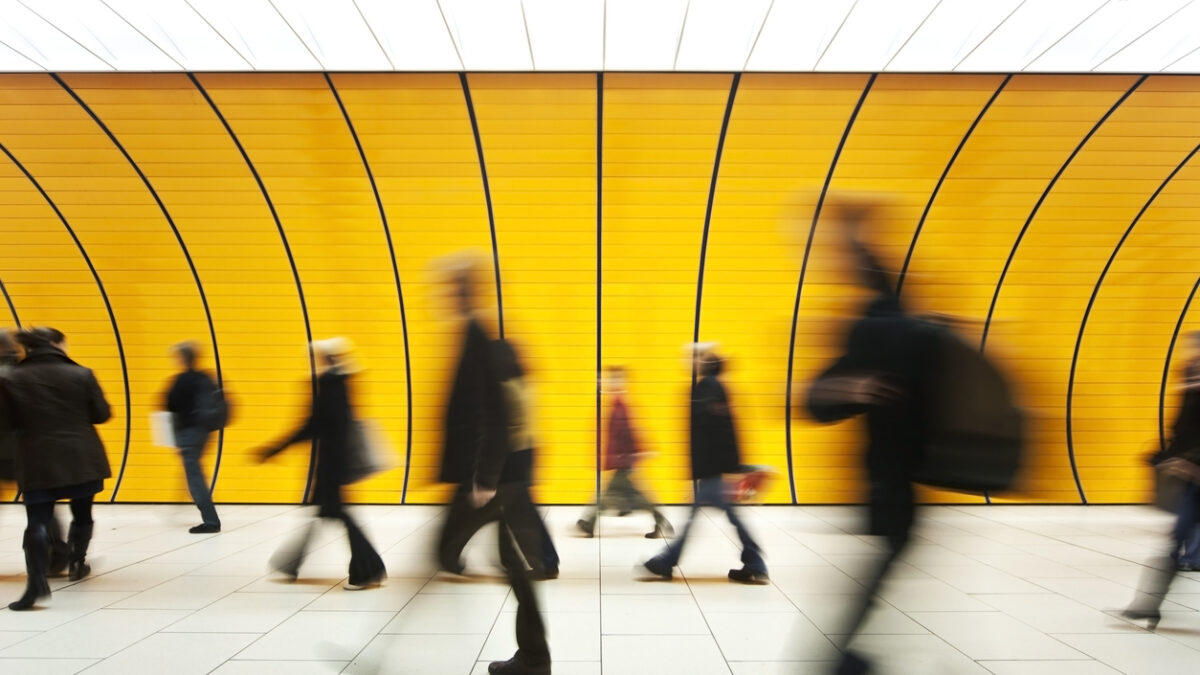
(60, 552)
(78, 538)
(37, 559)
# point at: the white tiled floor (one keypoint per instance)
(1006, 590)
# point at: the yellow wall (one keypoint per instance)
(1074, 189)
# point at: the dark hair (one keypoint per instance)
(187, 353)
(8, 349)
(39, 338)
(508, 365)
(53, 335)
(711, 365)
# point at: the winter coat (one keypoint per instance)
(889, 344)
(476, 442)
(714, 438)
(186, 398)
(622, 443)
(329, 425)
(8, 434)
(54, 404)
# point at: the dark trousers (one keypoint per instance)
(520, 527)
(41, 515)
(366, 565)
(894, 520)
(1157, 578)
(623, 494)
(191, 447)
(463, 520)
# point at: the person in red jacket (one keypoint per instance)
(620, 456)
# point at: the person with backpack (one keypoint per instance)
(193, 401)
(55, 404)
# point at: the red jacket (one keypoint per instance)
(622, 444)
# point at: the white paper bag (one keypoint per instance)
(162, 429)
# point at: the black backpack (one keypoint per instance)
(975, 432)
(214, 409)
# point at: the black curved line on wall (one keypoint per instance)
(396, 276)
(599, 263)
(291, 261)
(1096, 291)
(1162, 390)
(712, 194)
(487, 195)
(112, 317)
(787, 404)
(942, 179)
(1021, 236)
(11, 307)
(178, 237)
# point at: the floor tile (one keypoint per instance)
(46, 666)
(412, 654)
(99, 634)
(573, 636)
(244, 613)
(175, 653)
(751, 637)
(651, 615)
(662, 655)
(993, 636)
(447, 614)
(1144, 654)
(318, 636)
(263, 667)
(1048, 668)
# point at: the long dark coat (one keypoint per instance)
(329, 425)
(53, 405)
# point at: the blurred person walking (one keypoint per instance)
(475, 449)
(621, 454)
(55, 404)
(533, 539)
(714, 449)
(1180, 461)
(883, 374)
(191, 401)
(8, 435)
(329, 424)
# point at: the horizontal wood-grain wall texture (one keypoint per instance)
(620, 217)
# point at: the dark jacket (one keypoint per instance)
(1185, 433)
(329, 425)
(714, 438)
(622, 443)
(476, 442)
(8, 434)
(186, 397)
(887, 343)
(55, 403)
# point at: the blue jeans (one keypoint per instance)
(711, 492)
(1187, 527)
(191, 444)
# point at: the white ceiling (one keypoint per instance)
(589, 35)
